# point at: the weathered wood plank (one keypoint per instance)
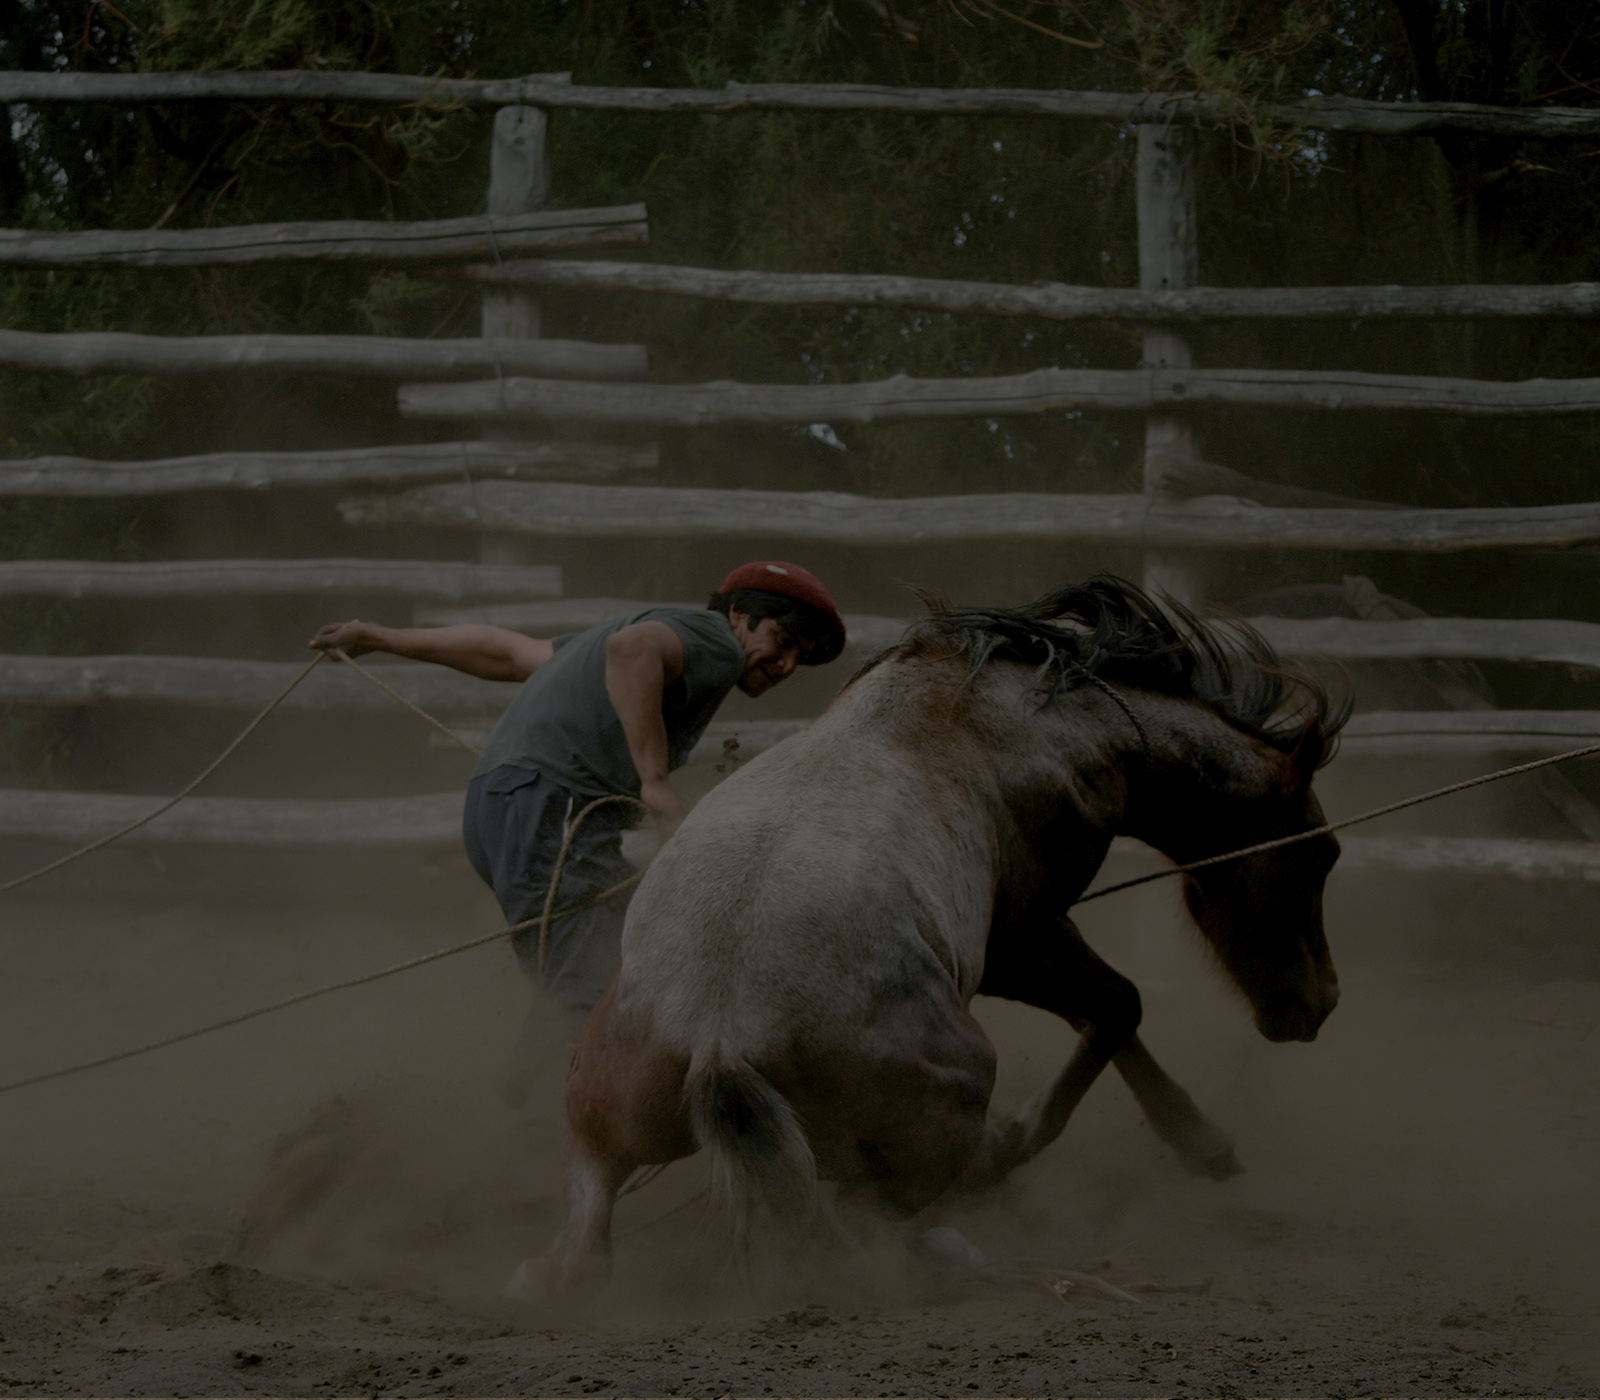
(1476, 639)
(1053, 301)
(435, 819)
(429, 819)
(1514, 859)
(1326, 113)
(117, 352)
(1467, 733)
(577, 614)
(205, 578)
(1169, 261)
(1210, 522)
(260, 471)
(1187, 477)
(519, 183)
(1505, 858)
(349, 240)
(517, 400)
(216, 683)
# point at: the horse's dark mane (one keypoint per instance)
(1108, 628)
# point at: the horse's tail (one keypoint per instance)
(760, 1157)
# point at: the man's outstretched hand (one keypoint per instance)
(352, 638)
(666, 807)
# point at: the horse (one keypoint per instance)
(799, 960)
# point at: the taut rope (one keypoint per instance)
(549, 915)
(394, 694)
(1586, 752)
(177, 797)
(542, 923)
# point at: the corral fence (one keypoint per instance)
(523, 484)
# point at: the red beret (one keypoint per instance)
(790, 580)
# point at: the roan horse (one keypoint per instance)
(798, 962)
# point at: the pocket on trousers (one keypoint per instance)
(507, 778)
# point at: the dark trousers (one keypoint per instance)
(514, 823)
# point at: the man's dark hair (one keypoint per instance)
(799, 622)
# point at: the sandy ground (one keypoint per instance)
(328, 1200)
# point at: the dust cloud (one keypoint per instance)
(329, 1200)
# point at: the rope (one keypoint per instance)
(284, 1003)
(548, 915)
(178, 797)
(561, 865)
(699, 1195)
(394, 694)
(1127, 709)
(1586, 752)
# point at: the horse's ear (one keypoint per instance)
(1306, 756)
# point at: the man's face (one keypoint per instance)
(769, 655)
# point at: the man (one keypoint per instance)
(610, 711)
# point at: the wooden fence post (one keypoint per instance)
(1169, 260)
(519, 183)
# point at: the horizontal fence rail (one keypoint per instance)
(1422, 734)
(260, 471)
(1052, 301)
(1474, 639)
(578, 614)
(117, 352)
(557, 510)
(206, 578)
(431, 819)
(218, 683)
(1467, 733)
(352, 240)
(1488, 856)
(1325, 113)
(520, 400)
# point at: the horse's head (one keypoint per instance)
(1191, 715)
(1262, 914)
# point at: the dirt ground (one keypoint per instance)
(327, 1201)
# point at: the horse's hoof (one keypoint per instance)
(947, 1248)
(1219, 1167)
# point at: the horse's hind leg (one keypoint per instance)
(1201, 1146)
(580, 1260)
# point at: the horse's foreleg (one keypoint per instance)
(1201, 1146)
(1059, 973)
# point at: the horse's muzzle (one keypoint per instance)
(1299, 1017)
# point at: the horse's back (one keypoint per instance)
(810, 887)
(820, 917)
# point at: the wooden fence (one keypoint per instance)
(544, 487)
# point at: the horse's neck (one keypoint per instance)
(1198, 764)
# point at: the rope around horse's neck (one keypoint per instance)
(1127, 709)
(1586, 752)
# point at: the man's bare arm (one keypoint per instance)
(490, 653)
(641, 662)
